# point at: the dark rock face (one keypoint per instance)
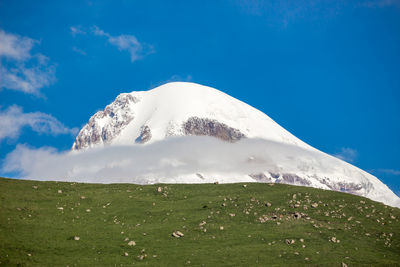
(201, 126)
(145, 135)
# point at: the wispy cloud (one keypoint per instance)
(180, 78)
(20, 69)
(386, 171)
(79, 51)
(173, 78)
(381, 3)
(347, 154)
(13, 120)
(286, 12)
(75, 30)
(125, 42)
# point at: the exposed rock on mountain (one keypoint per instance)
(198, 126)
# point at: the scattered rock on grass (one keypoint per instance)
(289, 241)
(177, 234)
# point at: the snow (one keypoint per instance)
(164, 110)
(166, 107)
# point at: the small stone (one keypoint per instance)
(88, 210)
(126, 239)
(126, 254)
(221, 228)
(60, 208)
(301, 240)
(314, 205)
(159, 189)
(232, 214)
(268, 204)
(131, 243)
(177, 234)
(35, 187)
(29, 254)
(344, 264)
(76, 238)
(59, 191)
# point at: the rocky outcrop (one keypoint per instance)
(208, 127)
(352, 188)
(261, 177)
(145, 135)
(106, 125)
(288, 178)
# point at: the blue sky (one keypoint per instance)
(327, 71)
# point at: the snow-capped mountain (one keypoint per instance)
(177, 109)
(188, 109)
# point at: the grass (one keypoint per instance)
(223, 225)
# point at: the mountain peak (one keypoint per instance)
(177, 109)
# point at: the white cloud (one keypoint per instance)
(13, 119)
(15, 47)
(20, 69)
(174, 160)
(347, 154)
(125, 42)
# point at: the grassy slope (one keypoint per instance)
(31, 223)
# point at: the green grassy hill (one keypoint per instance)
(222, 224)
